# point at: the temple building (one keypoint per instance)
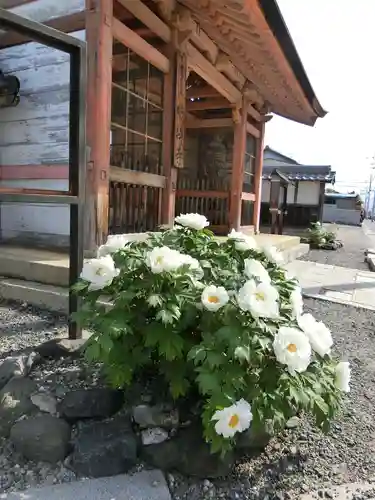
(178, 97)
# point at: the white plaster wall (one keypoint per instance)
(266, 188)
(36, 131)
(308, 193)
(341, 215)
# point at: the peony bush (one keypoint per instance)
(221, 318)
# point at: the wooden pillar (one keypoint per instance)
(239, 146)
(99, 15)
(258, 177)
(321, 201)
(173, 127)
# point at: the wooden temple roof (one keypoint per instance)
(254, 35)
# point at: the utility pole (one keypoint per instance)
(372, 167)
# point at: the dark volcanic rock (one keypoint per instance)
(15, 402)
(104, 449)
(42, 438)
(91, 403)
(189, 454)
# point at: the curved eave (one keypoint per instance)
(276, 22)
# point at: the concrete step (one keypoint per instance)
(55, 298)
(43, 266)
(144, 485)
(40, 277)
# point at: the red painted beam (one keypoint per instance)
(19, 172)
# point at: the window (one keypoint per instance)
(249, 166)
(137, 115)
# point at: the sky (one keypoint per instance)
(336, 43)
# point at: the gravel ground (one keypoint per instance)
(351, 255)
(299, 460)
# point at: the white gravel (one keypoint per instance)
(299, 460)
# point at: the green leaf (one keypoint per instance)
(242, 353)
(105, 341)
(80, 286)
(92, 351)
(208, 382)
(214, 359)
(197, 354)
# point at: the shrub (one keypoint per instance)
(320, 237)
(219, 317)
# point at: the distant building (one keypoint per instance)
(305, 197)
(342, 208)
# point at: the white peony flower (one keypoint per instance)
(194, 221)
(255, 269)
(319, 335)
(193, 265)
(214, 297)
(273, 255)
(260, 299)
(343, 375)
(292, 348)
(296, 301)
(99, 272)
(235, 418)
(114, 242)
(242, 241)
(163, 259)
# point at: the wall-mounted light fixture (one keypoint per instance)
(9, 90)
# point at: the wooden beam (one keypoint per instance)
(210, 123)
(9, 4)
(166, 8)
(135, 43)
(250, 129)
(99, 84)
(206, 91)
(193, 193)
(252, 94)
(206, 70)
(239, 147)
(148, 18)
(225, 65)
(253, 113)
(180, 110)
(169, 170)
(258, 176)
(215, 103)
(39, 171)
(134, 177)
(186, 24)
(67, 24)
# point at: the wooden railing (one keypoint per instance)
(209, 197)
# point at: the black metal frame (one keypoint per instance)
(77, 144)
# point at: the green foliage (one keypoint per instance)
(159, 321)
(318, 236)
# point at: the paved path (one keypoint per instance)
(355, 240)
(145, 485)
(338, 284)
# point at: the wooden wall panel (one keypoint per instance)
(36, 131)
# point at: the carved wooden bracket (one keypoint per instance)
(166, 8)
(225, 65)
(236, 114)
(252, 93)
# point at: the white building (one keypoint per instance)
(305, 196)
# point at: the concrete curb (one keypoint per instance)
(338, 301)
(144, 485)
